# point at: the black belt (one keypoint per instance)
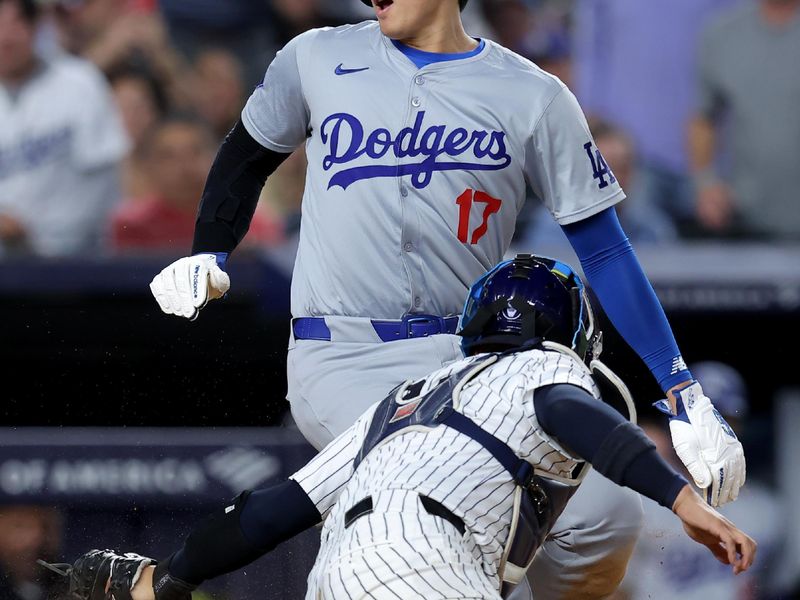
(431, 506)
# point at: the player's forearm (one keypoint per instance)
(243, 531)
(598, 434)
(234, 185)
(614, 272)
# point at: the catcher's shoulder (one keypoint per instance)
(555, 362)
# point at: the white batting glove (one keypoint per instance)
(706, 444)
(186, 286)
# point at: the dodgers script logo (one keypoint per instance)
(347, 141)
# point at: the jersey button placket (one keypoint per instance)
(410, 215)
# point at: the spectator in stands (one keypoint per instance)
(111, 33)
(664, 565)
(293, 17)
(28, 533)
(177, 156)
(243, 27)
(750, 82)
(642, 222)
(539, 35)
(218, 90)
(142, 102)
(141, 99)
(348, 12)
(61, 143)
(634, 64)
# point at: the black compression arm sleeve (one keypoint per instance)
(598, 434)
(248, 528)
(232, 190)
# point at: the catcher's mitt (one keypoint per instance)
(102, 574)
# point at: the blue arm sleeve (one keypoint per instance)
(617, 278)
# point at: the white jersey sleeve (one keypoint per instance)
(563, 165)
(277, 114)
(326, 475)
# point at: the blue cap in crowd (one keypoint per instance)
(724, 385)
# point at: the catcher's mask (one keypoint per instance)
(461, 3)
(528, 298)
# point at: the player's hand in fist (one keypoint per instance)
(186, 286)
(706, 444)
(706, 526)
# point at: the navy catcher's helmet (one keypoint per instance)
(527, 298)
(461, 3)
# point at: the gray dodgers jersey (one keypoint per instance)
(447, 465)
(416, 176)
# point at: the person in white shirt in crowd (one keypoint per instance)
(61, 145)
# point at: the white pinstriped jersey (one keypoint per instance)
(446, 465)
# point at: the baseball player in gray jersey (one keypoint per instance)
(421, 141)
(447, 487)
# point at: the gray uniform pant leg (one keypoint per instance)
(330, 384)
(522, 591)
(586, 554)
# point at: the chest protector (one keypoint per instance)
(538, 501)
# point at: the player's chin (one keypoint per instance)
(395, 27)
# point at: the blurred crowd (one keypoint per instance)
(111, 112)
(28, 533)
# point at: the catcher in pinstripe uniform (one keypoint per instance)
(448, 486)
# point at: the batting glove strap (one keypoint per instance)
(707, 445)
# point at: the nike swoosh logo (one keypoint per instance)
(340, 71)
